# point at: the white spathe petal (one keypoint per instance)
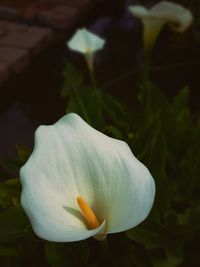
(49, 202)
(176, 16)
(166, 12)
(129, 193)
(50, 220)
(134, 194)
(173, 14)
(152, 25)
(85, 42)
(72, 159)
(138, 11)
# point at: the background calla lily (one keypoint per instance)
(80, 183)
(176, 16)
(86, 43)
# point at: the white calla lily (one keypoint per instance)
(80, 183)
(175, 15)
(86, 43)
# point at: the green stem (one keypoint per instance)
(145, 84)
(146, 67)
(123, 76)
(89, 61)
(79, 100)
(104, 246)
(93, 80)
(154, 69)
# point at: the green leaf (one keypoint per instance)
(13, 224)
(73, 79)
(155, 154)
(152, 99)
(14, 164)
(115, 112)
(10, 164)
(5, 252)
(158, 156)
(67, 254)
(180, 102)
(87, 103)
(23, 153)
(114, 132)
(9, 256)
(165, 193)
(168, 258)
(188, 181)
(83, 100)
(148, 234)
(10, 187)
(142, 138)
(175, 237)
(191, 217)
(10, 192)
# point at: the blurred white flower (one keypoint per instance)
(80, 183)
(176, 16)
(86, 43)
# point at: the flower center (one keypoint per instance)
(88, 51)
(88, 213)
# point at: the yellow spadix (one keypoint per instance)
(88, 213)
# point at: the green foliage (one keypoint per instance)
(168, 143)
(13, 224)
(67, 254)
(13, 164)
(10, 193)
